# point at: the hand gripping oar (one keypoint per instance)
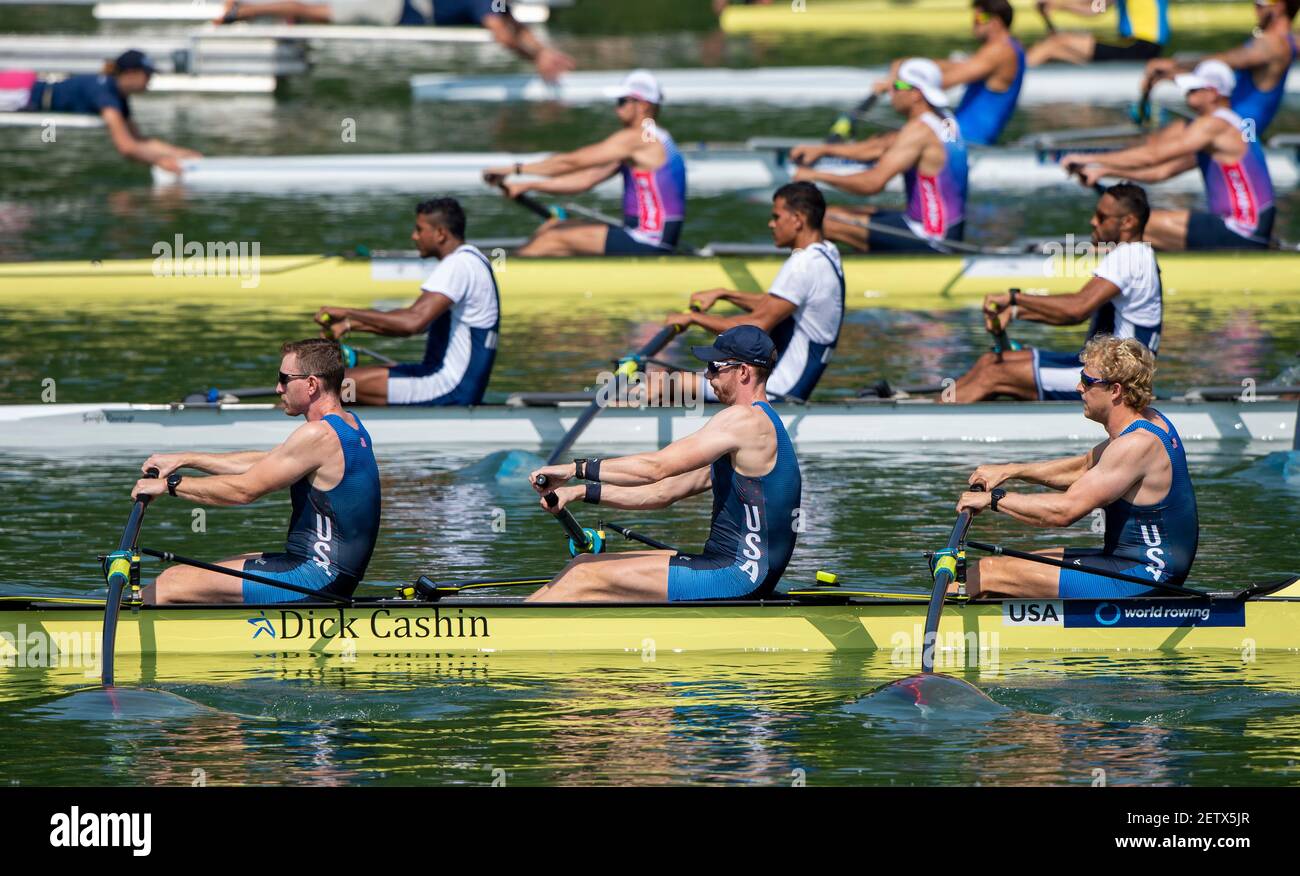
(350, 351)
(1076, 169)
(945, 572)
(627, 366)
(581, 541)
(122, 567)
(1000, 340)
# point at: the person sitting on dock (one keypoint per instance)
(1123, 297)
(1261, 65)
(1143, 33)
(106, 95)
(930, 154)
(1138, 476)
(1238, 188)
(328, 465)
(654, 182)
(493, 15)
(460, 308)
(803, 310)
(742, 453)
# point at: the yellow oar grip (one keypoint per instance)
(119, 568)
(948, 564)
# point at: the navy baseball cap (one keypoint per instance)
(133, 59)
(744, 343)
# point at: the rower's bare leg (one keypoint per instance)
(180, 584)
(567, 239)
(289, 9)
(630, 576)
(369, 385)
(1070, 48)
(989, 378)
(1012, 578)
(1167, 230)
(838, 229)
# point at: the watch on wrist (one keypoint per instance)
(995, 496)
(173, 481)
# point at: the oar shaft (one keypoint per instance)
(170, 557)
(999, 551)
(566, 518)
(657, 343)
(636, 536)
(117, 576)
(945, 573)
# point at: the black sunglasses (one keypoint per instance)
(285, 378)
(716, 368)
(1089, 382)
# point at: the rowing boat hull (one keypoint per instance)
(1097, 84)
(629, 286)
(481, 626)
(952, 18)
(711, 170)
(905, 424)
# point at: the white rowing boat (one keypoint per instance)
(200, 12)
(1114, 84)
(711, 169)
(173, 55)
(896, 423)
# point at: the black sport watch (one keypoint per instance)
(173, 481)
(995, 496)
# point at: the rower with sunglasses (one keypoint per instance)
(930, 154)
(1123, 297)
(654, 182)
(328, 466)
(742, 454)
(1138, 476)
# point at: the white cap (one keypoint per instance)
(1208, 74)
(925, 76)
(640, 84)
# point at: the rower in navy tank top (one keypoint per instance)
(1138, 476)
(332, 532)
(328, 466)
(742, 455)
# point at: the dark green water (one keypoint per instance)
(753, 719)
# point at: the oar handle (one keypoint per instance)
(945, 572)
(581, 541)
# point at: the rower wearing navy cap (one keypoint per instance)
(98, 94)
(742, 453)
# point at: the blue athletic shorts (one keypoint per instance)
(291, 570)
(1081, 585)
(1209, 231)
(909, 242)
(696, 576)
(1056, 375)
(619, 242)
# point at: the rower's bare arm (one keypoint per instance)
(901, 155)
(234, 462)
(1055, 474)
(723, 433)
(1255, 53)
(575, 183)
(614, 149)
(657, 495)
(1114, 475)
(402, 322)
(766, 313)
(1158, 172)
(302, 453)
(978, 66)
(1070, 309)
(1087, 8)
(866, 150)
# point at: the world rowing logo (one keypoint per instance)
(1101, 616)
(262, 624)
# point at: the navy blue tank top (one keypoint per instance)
(336, 529)
(754, 523)
(1162, 536)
